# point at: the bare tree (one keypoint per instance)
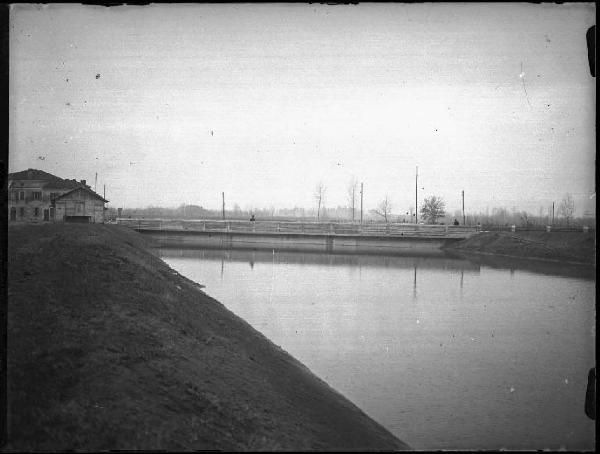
(384, 209)
(567, 207)
(433, 208)
(319, 195)
(352, 191)
(541, 215)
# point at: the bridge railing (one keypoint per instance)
(319, 228)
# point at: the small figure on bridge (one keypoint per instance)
(455, 222)
(252, 218)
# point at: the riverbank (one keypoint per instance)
(567, 247)
(109, 348)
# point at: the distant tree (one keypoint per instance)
(319, 196)
(567, 208)
(352, 190)
(384, 209)
(432, 209)
(541, 215)
(500, 215)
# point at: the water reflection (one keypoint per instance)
(532, 265)
(415, 285)
(445, 352)
(429, 261)
(438, 260)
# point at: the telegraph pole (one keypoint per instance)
(463, 200)
(552, 214)
(416, 197)
(361, 203)
(353, 200)
(223, 194)
(96, 182)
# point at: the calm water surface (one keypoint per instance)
(445, 353)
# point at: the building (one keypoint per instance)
(38, 196)
(80, 205)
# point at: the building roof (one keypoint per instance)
(32, 174)
(84, 188)
(53, 182)
(63, 184)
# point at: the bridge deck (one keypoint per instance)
(303, 228)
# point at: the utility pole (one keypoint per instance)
(353, 200)
(96, 182)
(463, 200)
(361, 203)
(223, 194)
(104, 196)
(416, 196)
(552, 214)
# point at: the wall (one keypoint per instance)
(28, 205)
(296, 242)
(80, 203)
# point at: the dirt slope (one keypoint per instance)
(575, 247)
(109, 348)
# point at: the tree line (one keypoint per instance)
(432, 208)
(431, 211)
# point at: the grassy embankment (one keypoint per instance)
(569, 247)
(110, 348)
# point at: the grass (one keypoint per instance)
(109, 348)
(569, 247)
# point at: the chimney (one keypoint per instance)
(83, 182)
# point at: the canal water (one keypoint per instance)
(445, 352)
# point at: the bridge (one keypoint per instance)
(334, 237)
(302, 228)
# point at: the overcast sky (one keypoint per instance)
(173, 104)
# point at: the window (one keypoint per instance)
(37, 195)
(36, 211)
(21, 195)
(22, 211)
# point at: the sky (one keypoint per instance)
(172, 104)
